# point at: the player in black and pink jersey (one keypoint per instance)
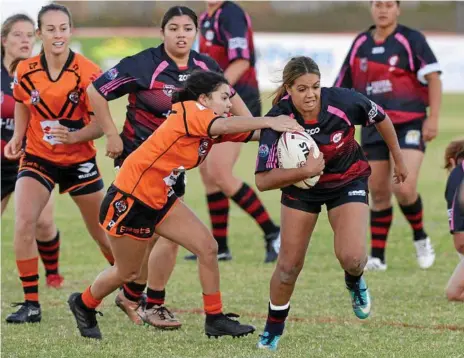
(227, 36)
(330, 116)
(394, 66)
(17, 42)
(150, 78)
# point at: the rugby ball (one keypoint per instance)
(292, 151)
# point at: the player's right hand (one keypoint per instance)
(284, 124)
(13, 149)
(114, 146)
(314, 166)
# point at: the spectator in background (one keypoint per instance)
(394, 66)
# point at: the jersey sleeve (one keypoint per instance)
(424, 59)
(234, 29)
(127, 76)
(20, 93)
(366, 112)
(198, 121)
(92, 72)
(267, 151)
(344, 78)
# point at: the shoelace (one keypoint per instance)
(163, 311)
(424, 248)
(230, 317)
(358, 297)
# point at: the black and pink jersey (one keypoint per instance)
(150, 78)
(334, 133)
(391, 73)
(452, 192)
(227, 36)
(7, 109)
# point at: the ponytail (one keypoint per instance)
(279, 94)
(184, 95)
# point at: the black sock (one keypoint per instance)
(413, 214)
(155, 298)
(351, 281)
(133, 291)
(275, 323)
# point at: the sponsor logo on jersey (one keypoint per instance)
(35, 97)
(111, 74)
(263, 151)
(378, 50)
(209, 35)
(87, 169)
(74, 97)
(357, 193)
(200, 107)
(413, 137)
(33, 65)
(206, 24)
(363, 64)
(313, 131)
(184, 77)
(379, 87)
(238, 42)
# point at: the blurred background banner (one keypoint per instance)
(107, 31)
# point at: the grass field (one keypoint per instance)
(411, 317)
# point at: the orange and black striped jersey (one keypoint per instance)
(51, 102)
(181, 143)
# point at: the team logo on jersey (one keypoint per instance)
(74, 97)
(111, 74)
(209, 35)
(393, 60)
(363, 64)
(372, 112)
(336, 137)
(168, 90)
(35, 97)
(203, 148)
(120, 206)
(263, 151)
(206, 24)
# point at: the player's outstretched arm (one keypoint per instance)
(246, 124)
(388, 133)
(114, 145)
(280, 178)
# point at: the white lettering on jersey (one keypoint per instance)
(46, 128)
(379, 87)
(313, 131)
(372, 112)
(183, 78)
(378, 50)
(238, 42)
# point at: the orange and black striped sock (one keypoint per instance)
(212, 303)
(414, 214)
(247, 199)
(49, 253)
(218, 206)
(86, 300)
(29, 276)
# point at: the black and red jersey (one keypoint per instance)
(150, 78)
(391, 73)
(334, 133)
(227, 36)
(7, 108)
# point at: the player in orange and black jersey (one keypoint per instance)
(150, 78)
(51, 104)
(18, 36)
(141, 200)
(394, 66)
(227, 36)
(330, 116)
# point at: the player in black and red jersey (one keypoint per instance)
(17, 41)
(227, 36)
(329, 115)
(394, 66)
(150, 78)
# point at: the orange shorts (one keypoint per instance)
(124, 215)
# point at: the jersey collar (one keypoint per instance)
(44, 64)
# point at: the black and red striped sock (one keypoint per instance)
(380, 225)
(155, 298)
(247, 199)
(218, 206)
(50, 253)
(414, 214)
(133, 290)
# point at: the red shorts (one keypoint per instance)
(123, 215)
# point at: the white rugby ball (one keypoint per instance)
(292, 150)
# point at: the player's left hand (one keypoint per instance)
(430, 129)
(63, 135)
(400, 172)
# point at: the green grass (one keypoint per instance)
(411, 317)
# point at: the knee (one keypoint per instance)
(459, 245)
(353, 263)
(381, 197)
(209, 249)
(45, 229)
(453, 294)
(288, 271)
(25, 226)
(406, 193)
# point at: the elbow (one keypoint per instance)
(261, 183)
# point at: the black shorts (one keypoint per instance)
(76, 179)
(122, 214)
(179, 187)
(355, 192)
(9, 175)
(251, 97)
(409, 137)
(456, 213)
